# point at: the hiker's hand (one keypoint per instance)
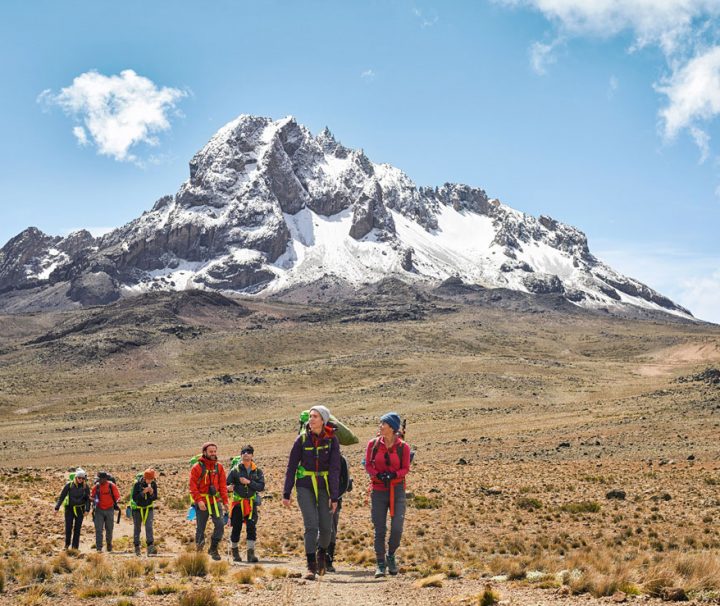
(244, 481)
(333, 506)
(201, 505)
(286, 503)
(56, 511)
(391, 475)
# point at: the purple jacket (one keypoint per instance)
(314, 454)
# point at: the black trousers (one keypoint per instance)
(237, 522)
(73, 524)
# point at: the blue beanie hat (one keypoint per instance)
(392, 419)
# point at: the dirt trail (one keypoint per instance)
(667, 360)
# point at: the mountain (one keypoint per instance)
(269, 208)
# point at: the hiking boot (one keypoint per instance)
(109, 547)
(236, 554)
(151, 550)
(137, 550)
(392, 566)
(329, 557)
(321, 561)
(213, 551)
(251, 557)
(311, 573)
(380, 570)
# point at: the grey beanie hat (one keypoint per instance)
(323, 411)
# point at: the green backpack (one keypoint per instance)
(344, 435)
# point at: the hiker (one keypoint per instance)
(105, 496)
(246, 480)
(75, 498)
(387, 461)
(142, 504)
(346, 485)
(207, 481)
(314, 467)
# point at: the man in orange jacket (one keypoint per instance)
(208, 485)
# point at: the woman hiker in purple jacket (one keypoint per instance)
(314, 468)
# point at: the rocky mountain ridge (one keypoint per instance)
(269, 207)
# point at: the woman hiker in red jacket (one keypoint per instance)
(387, 460)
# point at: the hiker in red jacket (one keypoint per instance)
(387, 460)
(104, 497)
(208, 485)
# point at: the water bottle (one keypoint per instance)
(191, 513)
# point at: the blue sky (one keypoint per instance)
(599, 113)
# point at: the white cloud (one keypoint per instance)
(666, 23)
(542, 55)
(693, 92)
(80, 135)
(118, 112)
(425, 21)
(613, 85)
(690, 279)
(685, 30)
(368, 74)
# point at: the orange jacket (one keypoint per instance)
(201, 480)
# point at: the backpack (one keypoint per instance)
(346, 482)
(111, 483)
(344, 435)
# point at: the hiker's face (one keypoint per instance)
(211, 452)
(247, 458)
(315, 421)
(386, 431)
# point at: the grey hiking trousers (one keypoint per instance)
(316, 517)
(104, 518)
(380, 508)
(138, 524)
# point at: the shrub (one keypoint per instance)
(420, 501)
(192, 563)
(199, 597)
(581, 507)
(528, 503)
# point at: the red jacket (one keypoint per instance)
(105, 497)
(200, 480)
(378, 463)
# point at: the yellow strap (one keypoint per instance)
(313, 476)
(144, 512)
(75, 508)
(207, 500)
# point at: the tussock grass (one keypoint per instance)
(93, 591)
(218, 569)
(63, 563)
(489, 597)
(192, 563)
(245, 576)
(279, 572)
(199, 597)
(434, 580)
(163, 589)
(35, 572)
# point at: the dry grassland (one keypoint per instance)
(523, 423)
